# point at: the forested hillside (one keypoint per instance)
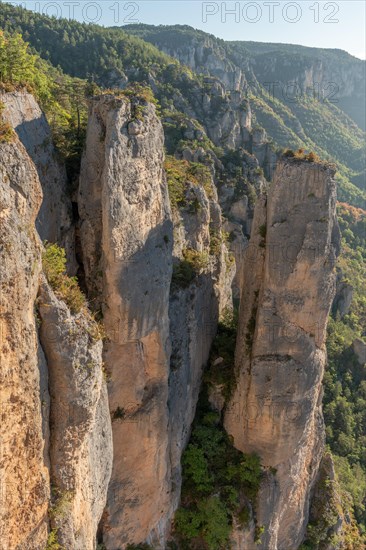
(294, 110)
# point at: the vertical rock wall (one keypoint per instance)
(24, 477)
(126, 236)
(80, 424)
(54, 219)
(288, 289)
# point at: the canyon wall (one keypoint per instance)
(126, 236)
(94, 424)
(80, 447)
(289, 284)
(56, 430)
(158, 337)
(24, 400)
(54, 219)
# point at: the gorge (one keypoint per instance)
(168, 273)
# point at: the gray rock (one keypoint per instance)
(359, 348)
(288, 288)
(25, 485)
(80, 424)
(54, 219)
(126, 236)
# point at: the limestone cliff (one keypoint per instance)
(126, 235)
(80, 424)
(158, 335)
(93, 431)
(24, 401)
(194, 311)
(54, 219)
(56, 429)
(288, 290)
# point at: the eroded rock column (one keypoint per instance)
(24, 477)
(80, 424)
(289, 284)
(126, 236)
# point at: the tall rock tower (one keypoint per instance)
(280, 356)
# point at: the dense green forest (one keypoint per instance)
(306, 121)
(65, 63)
(107, 55)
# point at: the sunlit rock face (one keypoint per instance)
(288, 288)
(126, 236)
(25, 485)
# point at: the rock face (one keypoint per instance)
(288, 290)
(54, 219)
(343, 297)
(338, 77)
(126, 234)
(194, 312)
(24, 473)
(80, 424)
(78, 459)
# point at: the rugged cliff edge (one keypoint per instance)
(24, 400)
(288, 290)
(94, 428)
(56, 428)
(126, 235)
(54, 219)
(80, 427)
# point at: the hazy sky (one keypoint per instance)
(324, 24)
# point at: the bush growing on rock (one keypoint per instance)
(65, 287)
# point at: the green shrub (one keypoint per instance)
(223, 374)
(65, 287)
(208, 522)
(301, 155)
(196, 469)
(217, 239)
(181, 175)
(52, 542)
(216, 479)
(118, 414)
(259, 530)
(262, 231)
(7, 133)
(183, 274)
(61, 503)
(192, 265)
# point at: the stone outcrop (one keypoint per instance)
(359, 349)
(126, 235)
(80, 424)
(54, 219)
(288, 289)
(341, 81)
(343, 297)
(194, 313)
(24, 401)
(80, 457)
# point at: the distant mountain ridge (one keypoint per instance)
(114, 56)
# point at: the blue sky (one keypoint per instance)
(339, 24)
